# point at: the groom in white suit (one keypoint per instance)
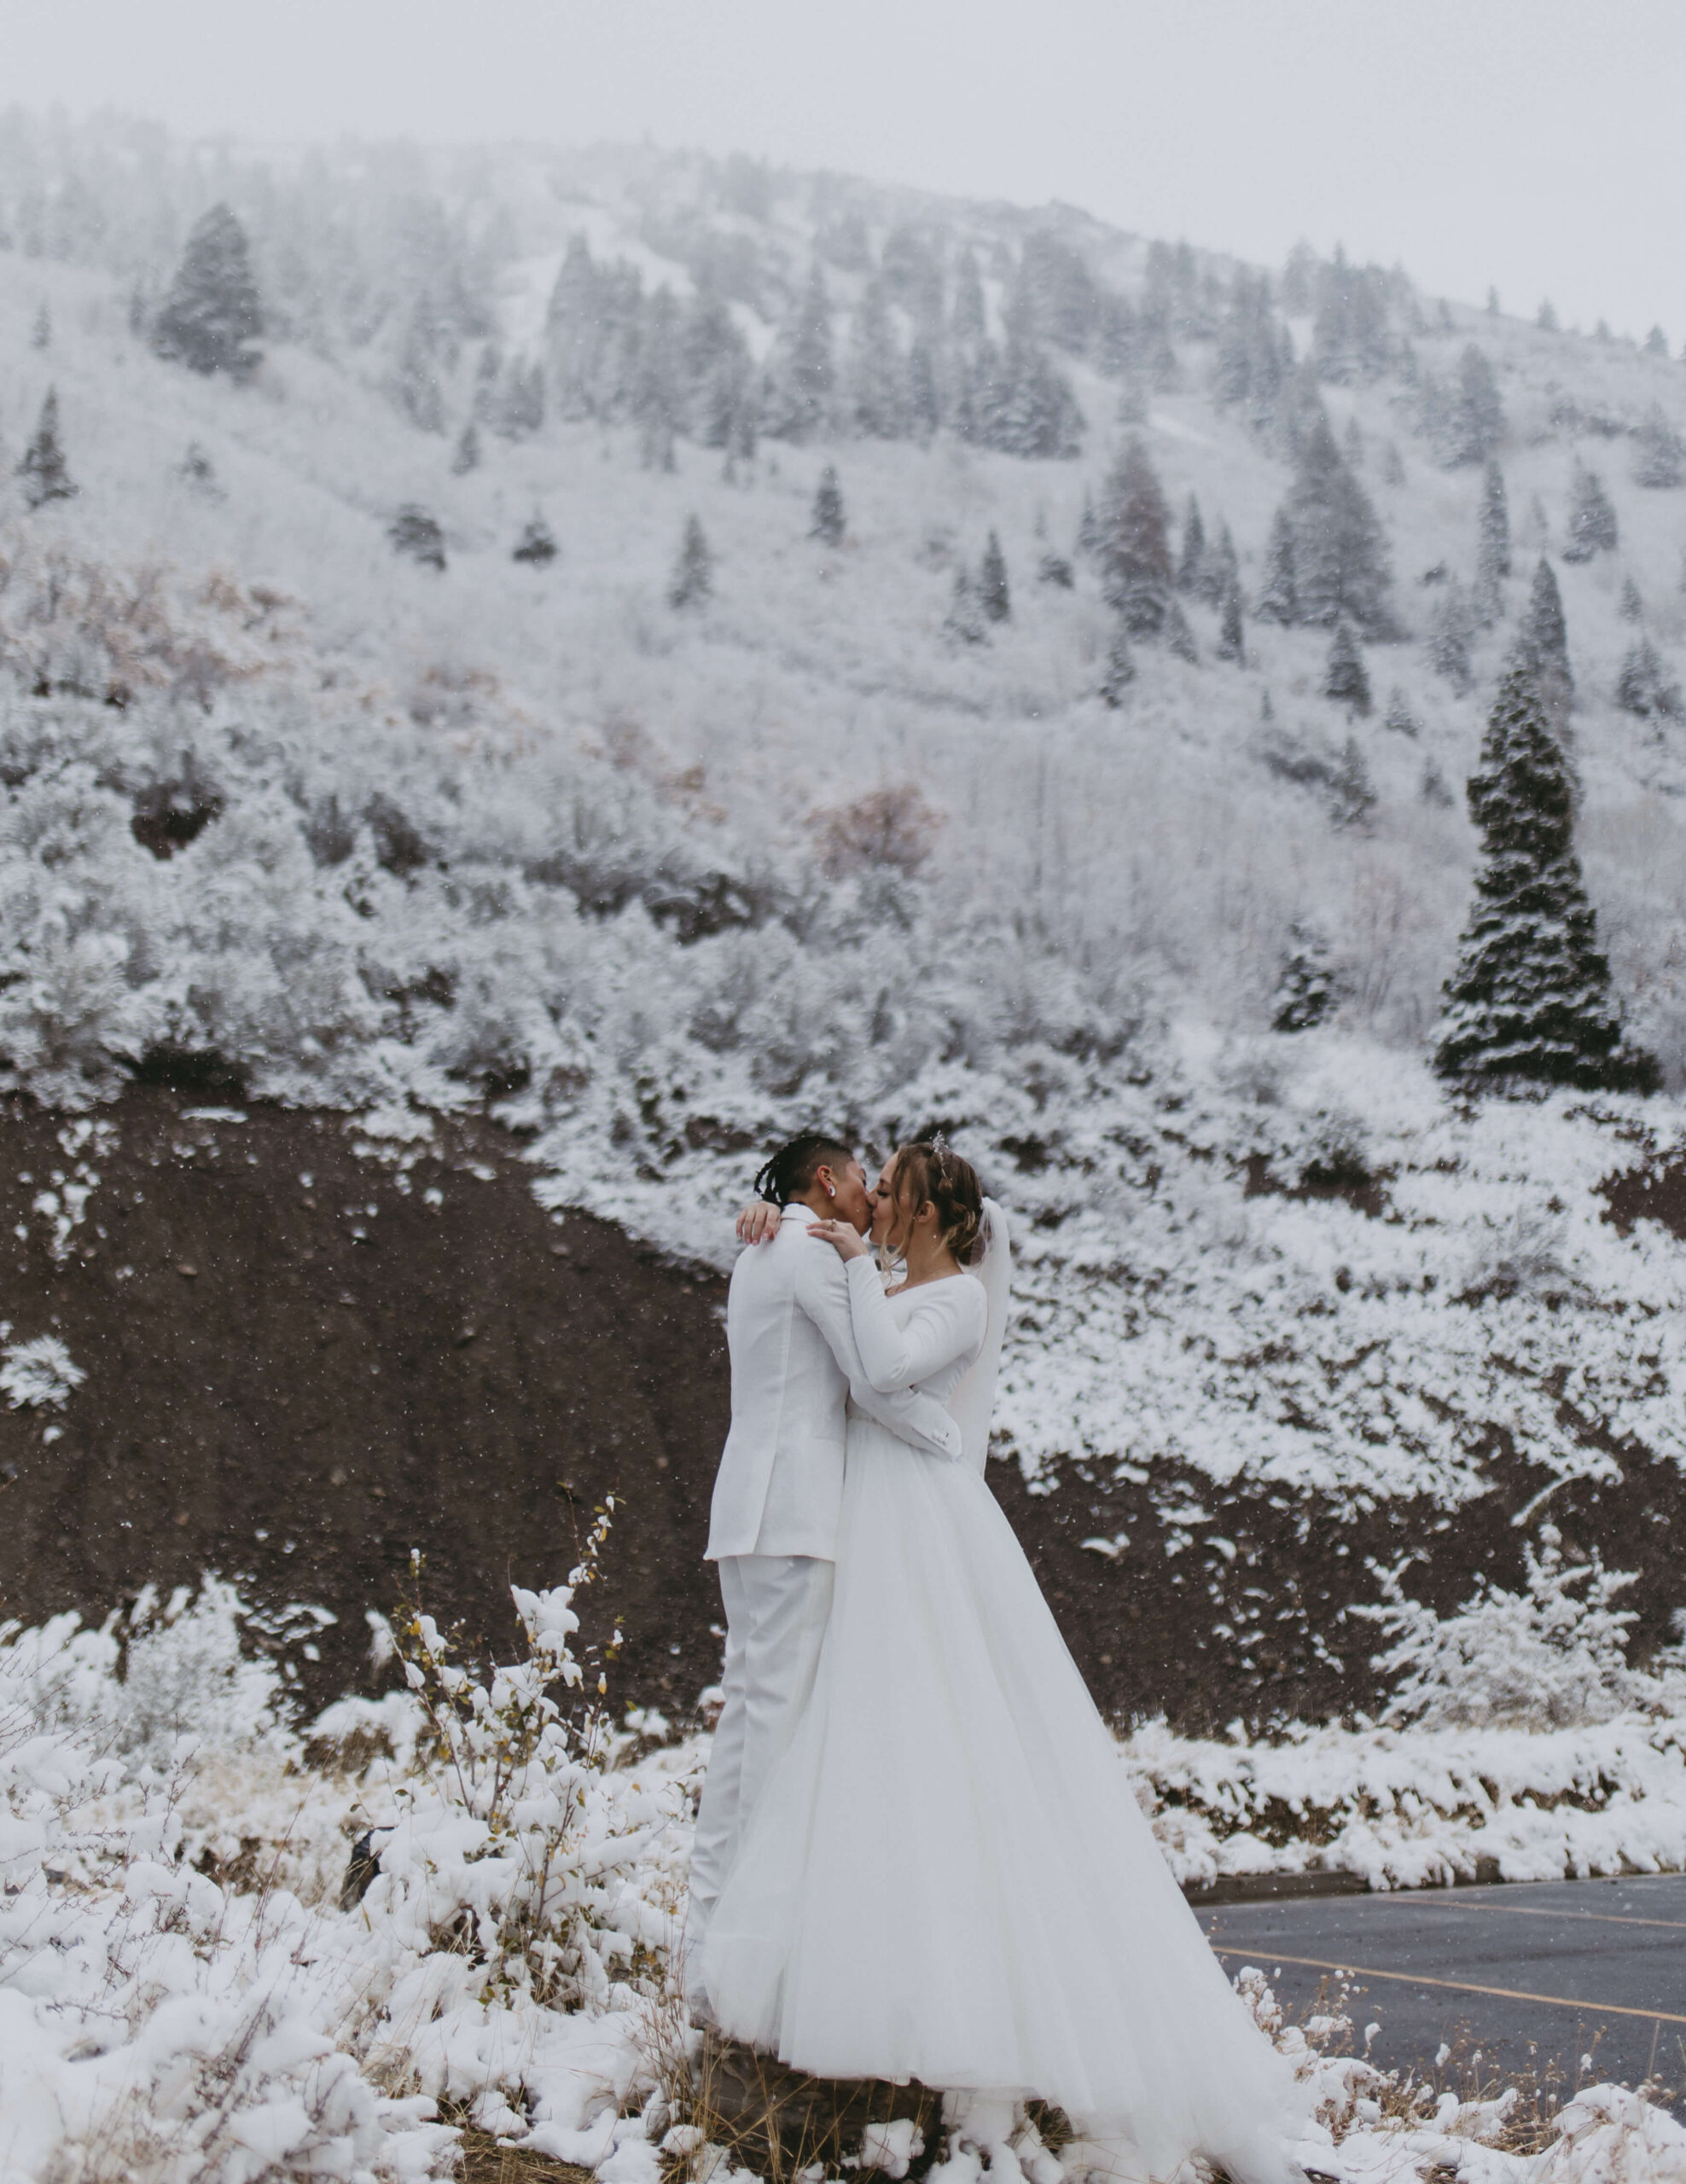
(773, 1526)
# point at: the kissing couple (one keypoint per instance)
(918, 1853)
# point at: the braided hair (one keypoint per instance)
(933, 1170)
(793, 1168)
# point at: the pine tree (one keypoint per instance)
(417, 536)
(1660, 453)
(1392, 465)
(1339, 552)
(804, 377)
(1120, 669)
(198, 473)
(1055, 569)
(536, 545)
(1546, 317)
(1542, 646)
(1134, 547)
(993, 594)
(1351, 793)
(1451, 630)
(212, 314)
(1231, 638)
(1190, 561)
(1399, 715)
(41, 333)
(1279, 601)
(1220, 571)
(415, 383)
(45, 474)
(1492, 556)
(1530, 997)
(875, 381)
(1656, 344)
(827, 522)
(692, 583)
(1475, 416)
(964, 621)
(1631, 606)
(1644, 687)
(467, 454)
(1352, 444)
(967, 322)
(1306, 988)
(1179, 638)
(1592, 520)
(1345, 678)
(1089, 527)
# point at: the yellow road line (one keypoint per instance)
(1455, 1986)
(1448, 1902)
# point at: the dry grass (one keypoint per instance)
(485, 2162)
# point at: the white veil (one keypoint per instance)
(972, 1405)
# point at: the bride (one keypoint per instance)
(947, 1876)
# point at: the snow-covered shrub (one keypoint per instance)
(37, 1375)
(1552, 1656)
(507, 1851)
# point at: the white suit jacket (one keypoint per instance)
(795, 1366)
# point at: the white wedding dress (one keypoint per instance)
(947, 1876)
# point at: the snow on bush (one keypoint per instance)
(39, 1374)
(1553, 1656)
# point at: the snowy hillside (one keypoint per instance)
(289, 810)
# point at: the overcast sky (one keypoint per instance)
(1536, 144)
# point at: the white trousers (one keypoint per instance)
(776, 1609)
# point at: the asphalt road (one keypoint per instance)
(1536, 1976)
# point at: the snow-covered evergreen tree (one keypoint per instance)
(968, 322)
(1592, 520)
(993, 594)
(1542, 645)
(43, 471)
(415, 534)
(1119, 671)
(1451, 630)
(1659, 452)
(1530, 997)
(1631, 606)
(1231, 636)
(536, 545)
(466, 455)
(1279, 598)
(1645, 687)
(803, 380)
(1190, 561)
(1340, 551)
(875, 393)
(964, 622)
(1399, 715)
(1179, 638)
(41, 333)
(827, 522)
(212, 313)
(1474, 423)
(1492, 553)
(1220, 570)
(1346, 679)
(1306, 988)
(691, 583)
(1134, 545)
(416, 385)
(1352, 792)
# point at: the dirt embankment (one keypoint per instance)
(301, 1364)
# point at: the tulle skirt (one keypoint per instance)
(947, 1876)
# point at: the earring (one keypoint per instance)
(831, 1190)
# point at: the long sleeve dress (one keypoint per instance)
(948, 1877)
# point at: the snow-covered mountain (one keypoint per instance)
(288, 807)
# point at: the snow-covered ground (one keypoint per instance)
(184, 1992)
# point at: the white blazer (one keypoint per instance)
(795, 1364)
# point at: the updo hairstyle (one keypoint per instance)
(934, 1171)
